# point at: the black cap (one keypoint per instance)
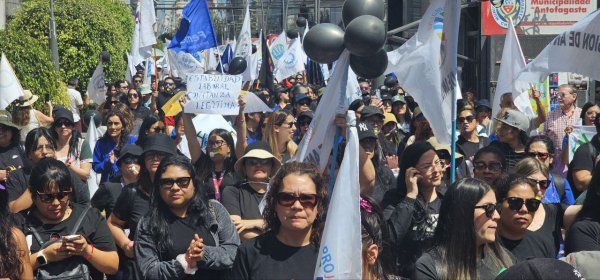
(62, 113)
(298, 97)
(386, 96)
(307, 114)
(483, 103)
(369, 111)
(390, 81)
(159, 143)
(131, 150)
(541, 268)
(365, 131)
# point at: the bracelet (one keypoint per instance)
(88, 257)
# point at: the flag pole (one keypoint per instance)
(453, 142)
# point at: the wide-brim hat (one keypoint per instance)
(6, 119)
(131, 150)
(62, 113)
(257, 149)
(159, 143)
(27, 99)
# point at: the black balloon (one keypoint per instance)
(212, 72)
(104, 56)
(301, 22)
(293, 33)
(237, 65)
(324, 42)
(369, 67)
(365, 35)
(355, 8)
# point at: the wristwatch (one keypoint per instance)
(41, 259)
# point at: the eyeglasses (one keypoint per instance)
(169, 84)
(288, 199)
(543, 184)
(290, 124)
(540, 156)
(492, 166)
(167, 183)
(489, 208)
(441, 163)
(66, 123)
(257, 161)
(516, 203)
(137, 81)
(133, 95)
(364, 88)
(462, 119)
(562, 94)
(216, 144)
(49, 197)
(47, 146)
(155, 155)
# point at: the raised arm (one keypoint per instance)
(241, 128)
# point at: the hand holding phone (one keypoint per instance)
(47, 97)
(71, 238)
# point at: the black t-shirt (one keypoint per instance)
(229, 179)
(242, 200)
(542, 243)
(105, 197)
(18, 181)
(512, 157)
(583, 236)
(11, 156)
(161, 100)
(584, 159)
(469, 148)
(425, 268)
(265, 257)
(131, 205)
(140, 112)
(93, 228)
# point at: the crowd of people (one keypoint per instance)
(178, 203)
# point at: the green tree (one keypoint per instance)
(84, 29)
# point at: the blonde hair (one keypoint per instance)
(277, 119)
(529, 166)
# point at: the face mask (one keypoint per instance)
(217, 153)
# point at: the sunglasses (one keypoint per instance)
(489, 209)
(137, 81)
(167, 183)
(257, 161)
(133, 95)
(66, 123)
(290, 124)
(492, 166)
(129, 160)
(306, 200)
(462, 119)
(516, 203)
(543, 184)
(155, 155)
(169, 84)
(540, 156)
(49, 197)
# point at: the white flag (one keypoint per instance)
(581, 135)
(92, 136)
(318, 141)
(575, 50)
(96, 88)
(278, 47)
(183, 63)
(341, 245)
(211, 59)
(511, 65)
(243, 46)
(291, 62)
(427, 65)
(10, 87)
(143, 32)
(130, 68)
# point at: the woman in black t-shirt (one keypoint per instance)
(243, 200)
(184, 236)
(295, 208)
(584, 234)
(54, 218)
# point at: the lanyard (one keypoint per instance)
(217, 184)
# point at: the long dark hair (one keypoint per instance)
(124, 132)
(455, 236)
(299, 168)
(73, 142)
(10, 263)
(206, 167)
(160, 213)
(31, 141)
(148, 122)
(591, 205)
(410, 157)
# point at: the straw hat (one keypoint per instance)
(27, 99)
(6, 119)
(258, 149)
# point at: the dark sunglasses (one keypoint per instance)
(489, 209)
(516, 203)
(133, 95)
(167, 183)
(137, 81)
(155, 155)
(462, 119)
(543, 184)
(540, 156)
(289, 125)
(66, 123)
(492, 166)
(306, 200)
(257, 161)
(49, 197)
(129, 160)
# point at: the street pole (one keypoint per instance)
(317, 8)
(52, 37)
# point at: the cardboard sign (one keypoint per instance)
(213, 94)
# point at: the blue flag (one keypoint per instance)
(226, 58)
(196, 30)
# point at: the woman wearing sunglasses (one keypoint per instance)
(151, 125)
(71, 148)
(469, 142)
(134, 201)
(488, 164)
(108, 147)
(465, 238)
(53, 218)
(185, 235)
(295, 208)
(558, 190)
(243, 201)
(134, 102)
(279, 133)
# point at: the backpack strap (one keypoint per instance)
(559, 184)
(37, 236)
(80, 220)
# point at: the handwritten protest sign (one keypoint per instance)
(213, 94)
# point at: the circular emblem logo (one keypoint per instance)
(514, 9)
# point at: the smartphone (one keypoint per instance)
(47, 97)
(70, 238)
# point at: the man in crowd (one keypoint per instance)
(75, 100)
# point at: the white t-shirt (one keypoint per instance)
(75, 101)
